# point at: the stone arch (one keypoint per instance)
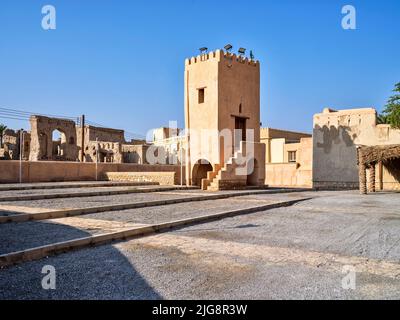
(59, 144)
(42, 146)
(200, 170)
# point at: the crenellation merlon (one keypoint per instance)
(219, 55)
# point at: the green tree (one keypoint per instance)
(391, 114)
(2, 129)
(381, 119)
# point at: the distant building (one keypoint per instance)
(288, 157)
(171, 144)
(11, 145)
(98, 144)
(337, 135)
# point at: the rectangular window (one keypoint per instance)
(201, 95)
(292, 156)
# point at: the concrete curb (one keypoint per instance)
(65, 246)
(136, 205)
(90, 194)
(78, 185)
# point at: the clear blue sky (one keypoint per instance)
(121, 62)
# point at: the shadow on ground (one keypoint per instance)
(101, 272)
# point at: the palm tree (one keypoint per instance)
(2, 129)
(381, 119)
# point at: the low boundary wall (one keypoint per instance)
(53, 171)
(288, 175)
(163, 178)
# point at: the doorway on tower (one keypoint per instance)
(240, 131)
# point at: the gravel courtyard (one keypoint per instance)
(296, 252)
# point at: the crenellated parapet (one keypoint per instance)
(220, 55)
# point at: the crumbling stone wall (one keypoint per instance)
(107, 152)
(135, 153)
(11, 144)
(41, 145)
(11, 148)
(112, 146)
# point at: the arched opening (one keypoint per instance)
(200, 170)
(252, 172)
(59, 145)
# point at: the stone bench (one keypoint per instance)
(163, 178)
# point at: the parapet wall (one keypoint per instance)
(218, 55)
(51, 171)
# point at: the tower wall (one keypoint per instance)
(220, 90)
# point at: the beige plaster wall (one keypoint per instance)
(297, 174)
(277, 147)
(287, 175)
(268, 134)
(336, 136)
(239, 85)
(48, 171)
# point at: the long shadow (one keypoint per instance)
(101, 272)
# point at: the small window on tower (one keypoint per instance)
(201, 95)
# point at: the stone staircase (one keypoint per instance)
(225, 177)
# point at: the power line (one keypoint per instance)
(127, 133)
(13, 118)
(95, 124)
(21, 113)
(14, 114)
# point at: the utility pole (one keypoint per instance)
(82, 137)
(97, 155)
(21, 150)
(181, 160)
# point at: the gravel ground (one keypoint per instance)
(13, 193)
(37, 233)
(86, 202)
(160, 214)
(19, 236)
(348, 223)
(90, 189)
(296, 252)
(95, 273)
